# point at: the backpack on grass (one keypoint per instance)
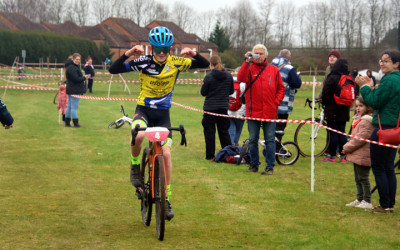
(234, 100)
(345, 91)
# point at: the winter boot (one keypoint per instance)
(76, 123)
(67, 122)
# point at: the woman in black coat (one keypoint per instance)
(336, 115)
(75, 86)
(217, 87)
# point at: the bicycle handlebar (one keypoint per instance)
(308, 101)
(181, 129)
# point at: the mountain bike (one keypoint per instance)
(121, 121)
(287, 155)
(303, 134)
(152, 170)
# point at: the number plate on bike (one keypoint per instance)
(157, 133)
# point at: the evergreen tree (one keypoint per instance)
(219, 37)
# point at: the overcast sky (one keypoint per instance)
(207, 5)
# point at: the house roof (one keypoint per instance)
(15, 21)
(132, 28)
(179, 33)
(204, 45)
(67, 28)
(103, 32)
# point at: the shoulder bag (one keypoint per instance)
(389, 136)
(242, 98)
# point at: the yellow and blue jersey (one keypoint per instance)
(157, 80)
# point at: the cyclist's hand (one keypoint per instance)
(188, 53)
(135, 51)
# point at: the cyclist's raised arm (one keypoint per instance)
(198, 61)
(119, 66)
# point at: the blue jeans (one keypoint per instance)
(72, 108)
(235, 129)
(382, 164)
(269, 137)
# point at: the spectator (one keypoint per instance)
(75, 86)
(369, 74)
(333, 56)
(5, 117)
(386, 103)
(264, 95)
(291, 81)
(336, 115)
(357, 151)
(89, 70)
(236, 125)
(21, 73)
(217, 87)
(62, 99)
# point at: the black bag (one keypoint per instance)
(242, 99)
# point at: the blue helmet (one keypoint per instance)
(161, 37)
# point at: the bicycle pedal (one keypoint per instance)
(139, 194)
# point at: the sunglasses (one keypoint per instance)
(158, 50)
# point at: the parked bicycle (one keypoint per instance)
(152, 170)
(303, 134)
(121, 121)
(287, 155)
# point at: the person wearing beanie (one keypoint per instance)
(332, 58)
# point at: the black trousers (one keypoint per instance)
(280, 127)
(209, 123)
(90, 85)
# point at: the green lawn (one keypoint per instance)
(69, 188)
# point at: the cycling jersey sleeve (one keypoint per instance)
(198, 61)
(119, 65)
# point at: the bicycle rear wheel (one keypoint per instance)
(244, 151)
(146, 203)
(302, 138)
(117, 124)
(160, 195)
(288, 154)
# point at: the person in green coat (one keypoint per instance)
(385, 100)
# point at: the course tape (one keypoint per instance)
(214, 114)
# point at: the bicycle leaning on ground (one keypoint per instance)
(303, 134)
(121, 121)
(287, 155)
(152, 171)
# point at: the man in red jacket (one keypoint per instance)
(263, 97)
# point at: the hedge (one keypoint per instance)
(50, 47)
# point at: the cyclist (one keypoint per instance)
(158, 73)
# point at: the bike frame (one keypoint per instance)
(155, 150)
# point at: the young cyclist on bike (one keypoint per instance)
(158, 73)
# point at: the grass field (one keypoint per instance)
(69, 188)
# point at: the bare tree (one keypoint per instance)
(208, 22)
(265, 12)
(182, 15)
(285, 23)
(244, 20)
(56, 9)
(102, 10)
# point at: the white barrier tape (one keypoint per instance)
(104, 98)
(210, 113)
(28, 88)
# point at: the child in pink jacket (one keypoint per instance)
(62, 99)
(357, 151)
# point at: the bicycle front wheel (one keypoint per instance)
(146, 203)
(159, 195)
(302, 138)
(117, 124)
(288, 154)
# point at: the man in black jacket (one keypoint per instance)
(5, 117)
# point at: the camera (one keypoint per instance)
(253, 56)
